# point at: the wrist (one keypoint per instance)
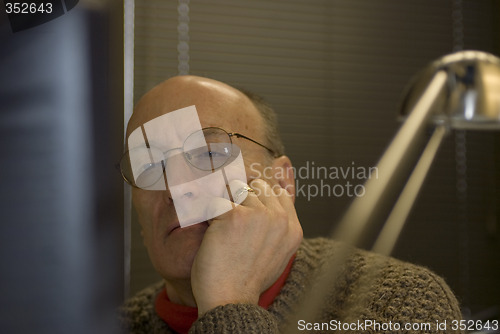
(206, 304)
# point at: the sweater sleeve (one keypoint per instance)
(391, 291)
(235, 318)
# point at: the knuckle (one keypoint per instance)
(238, 214)
(281, 216)
(299, 235)
(260, 185)
(255, 183)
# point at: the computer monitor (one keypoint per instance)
(61, 201)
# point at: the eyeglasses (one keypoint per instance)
(207, 149)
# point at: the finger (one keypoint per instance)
(217, 207)
(295, 229)
(242, 193)
(275, 196)
(264, 192)
(239, 191)
(285, 198)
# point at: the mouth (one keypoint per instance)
(177, 227)
(173, 229)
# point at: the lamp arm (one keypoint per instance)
(397, 218)
(359, 213)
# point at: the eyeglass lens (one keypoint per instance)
(207, 149)
(212, 155)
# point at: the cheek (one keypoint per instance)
(146, 231)
(146, 204)
(146, 224)
(254, 167)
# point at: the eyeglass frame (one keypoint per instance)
(230, 135)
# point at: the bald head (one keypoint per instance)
(218, 104)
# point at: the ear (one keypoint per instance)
(283, 174)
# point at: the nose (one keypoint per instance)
(190, 201)
(179, 171)
(192, 189)
(180, 185)
(187, 191)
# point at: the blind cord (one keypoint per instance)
(461, 174)
(183, 37)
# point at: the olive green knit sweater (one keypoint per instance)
(372, 288)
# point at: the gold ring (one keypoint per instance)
(249, 189)
(241, 194)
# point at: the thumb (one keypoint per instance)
(217, 207)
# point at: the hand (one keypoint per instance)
(245, 250)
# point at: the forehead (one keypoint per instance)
(217, 105)
(167, 131)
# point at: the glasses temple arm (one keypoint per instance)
(239, 135)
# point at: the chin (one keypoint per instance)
(179, 252)
(180, 269)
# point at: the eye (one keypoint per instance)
(142, 166)
(215, 154)
(206, 159)
(149, 174)
(148, 167)
(201, 154)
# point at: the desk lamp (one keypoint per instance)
(457, 91)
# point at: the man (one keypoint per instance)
(247, 270)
